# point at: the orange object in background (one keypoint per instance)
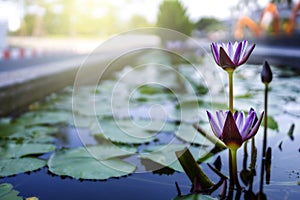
(269, 15)
(292, 21)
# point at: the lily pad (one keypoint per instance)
(80, 164)
(7, 129)
(188, 133)
(123, 131)
(187, 110)
(151, 89)
(13, 150)
(272, 123)
(8, 193)
(11, 166)
(44, 117)
(165, 154)
(33, 133)
(107, 151)
(153, 126)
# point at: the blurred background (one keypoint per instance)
(103, 18)
(80, 25)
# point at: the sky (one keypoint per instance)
(195, 8)
(149, 8)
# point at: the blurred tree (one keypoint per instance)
(209, 24)
(173, 15)
(138, 21)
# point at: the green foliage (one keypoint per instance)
(209, 24)
(138, 21)
(165, 154)
(12, 150)
(272, 123)
(12, 166)
(8, 193)
(172, 15)
(79, 163)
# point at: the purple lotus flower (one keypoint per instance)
(230, 56)
(235, 129)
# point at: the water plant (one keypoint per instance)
(233, 131)
(266, 78)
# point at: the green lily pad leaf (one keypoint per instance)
(80, 164)
(33, 133)
(92, 108)
(107, 151)
(151, 89)
(123, 131)
(165, 154)
(8, 193)
(153, 126)
(10, 166)
(7, 129)
(44, 117)
(188, 133)
(272, 124)
(195, 197)
(12, 150)
(187, 110)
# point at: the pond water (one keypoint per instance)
(117, 139)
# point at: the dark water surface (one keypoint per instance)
(284, 108)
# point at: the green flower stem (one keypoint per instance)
(265, 138)
(231, 179)
(230, 158)
(265, 120)
(234, 169)
(230, 82)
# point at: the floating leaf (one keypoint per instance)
(8, 193)
(80, 164)
(187, 110)
(153, 89)
(11, 166)
(165, 154)
(123, 131)
(189, 134)
(107, 151)
(7, 129)
(44, 117)
(153, 126)
(272, 124)
(13, 150)
(34, 134)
